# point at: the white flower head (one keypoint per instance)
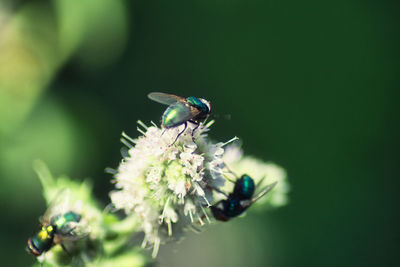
(167, 183)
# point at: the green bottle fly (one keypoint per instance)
(52, 231)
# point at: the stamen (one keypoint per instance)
(231, 172)
(200, 220)
(205, 214)
(169, 228)
(230, 141)
(141, 131)
(142, 124)
(208, 203)
(126, 143)
(191, 216)
(110, 170)
(156, 247)
(163, 213)
(144, 243)
(127, 137)
(210, 123)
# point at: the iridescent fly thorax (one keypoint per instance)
(244, 187)
(198, 104)
(60, 220)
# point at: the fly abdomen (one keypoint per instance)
(42, 241)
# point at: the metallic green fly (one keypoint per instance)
(58, 226)
(240, 199)
(182, 110)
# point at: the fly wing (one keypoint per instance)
(71, 231)
(166, 99)
(248, 202)
(58, 205)
(263, 192)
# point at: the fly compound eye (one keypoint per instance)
(207, 103)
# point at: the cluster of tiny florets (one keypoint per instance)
(168, 180)
(162, 181)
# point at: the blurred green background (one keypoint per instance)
(311, 85)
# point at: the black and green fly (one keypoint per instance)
(242, 197)
(57, 226)
(182, 110)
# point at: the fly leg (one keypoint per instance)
(217, 190)
(66, 250)
(180, 133)
(195, 128)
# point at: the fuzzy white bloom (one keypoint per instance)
(264, 172)
(168, 184)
